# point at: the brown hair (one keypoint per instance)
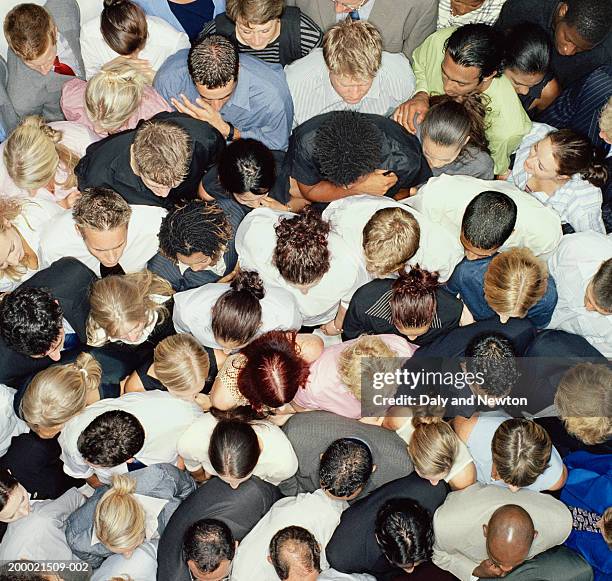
(606, 526)
(123, 25)
(602, 286)
(413, 298)
(10, 210)
(521, 451)
(433, 446)
(29, 29)
(301, 253)
(101, 209)
(390, 238)
(254, 11)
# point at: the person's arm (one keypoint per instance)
(132, 383)
(549, 94)
(561, 482)
(376, 183)
(465, 478)
(94, 481)
(453, 561)
(334, 327)
(463, 426)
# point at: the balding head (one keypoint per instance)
(295, 554)
(509, 535)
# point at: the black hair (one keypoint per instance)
(404, 532)
(213, 61)
(233, 449)
(30, 320)
(111, 439)
(489, 220)
(602, 286)
(7, 484)
(590, 18)
(207, 542)
(477, 45)
(345, 466)
(347, 146)
(22, 570)
(302, 546)
(528, 48)
(247, 165)
(493, 356)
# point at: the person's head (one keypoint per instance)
(413, 301)
(527, 56)
(33, 153)
(112, 95)
(347, 147)
(472, 59)
(449, 126)
(352, 50)
(433, 448)
(12, 251)
(119, 519)
(487, 223)
(247, 171)
(101, 216)
(605, 122)
(123, 25)
(563, 153)
(295, 554)
(196, 234)
(161, 155)
(257, 21)
(58, 393)
(521, 451)
(213, 65)
(236, 316)
(584, 402)
(514, 282)
(110, 439)
(31, 323)
(21, 570)
(208, 550)
(598, 293)
(274, 370)
(345, 468)
(31, 34)
(182, 365)
(581, 25)
(123, 306)
(14, 498)
(509, 534)
(404, 533)
(390, 239)
(301, 254)
(605, 525)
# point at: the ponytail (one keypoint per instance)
(575, 154)
(433, 446)
(413, 298)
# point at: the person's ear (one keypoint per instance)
(236, 543)
(269, 559)
(78, 229)
(466, 140)
(463, 366)
(320, 456)
(374, 468)
(535, 534)
(485, 530)
(562, 10)
(129, 460)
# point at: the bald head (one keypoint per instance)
(295, 554)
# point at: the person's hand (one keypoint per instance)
(488, 570)
(503, 176)
(142, 66)
(330, 329)
(268, 202)
(203, 401)
(70, 199)
(466, 317)
(405, 113)
(229, 277)
(377, 183)
(203, 111)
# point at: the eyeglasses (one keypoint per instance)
(350, 7)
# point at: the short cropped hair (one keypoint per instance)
(247, 165)
(345, 467)
(123, 25)
(111, 438)
(353, 48)
(101, 209)
(254, 11)
(207, 543)
(213, 61)
(590, 18)
(477, 45)
(292, 544)
(602, 286)
(29, 30)
(489, 219)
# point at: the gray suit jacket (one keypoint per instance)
(36, 94)
(8, 117)
(311, 433)
(404, 24)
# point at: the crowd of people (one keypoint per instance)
(230, 230)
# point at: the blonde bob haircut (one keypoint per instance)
(119, 520)
(584, 402)
(433, 446)
(605, 119)
(514, 282)
(390, 239)
(254, 11)
(113, 94)
(33, 153)
(181, 364)
(119, 300)
(59, 393)
(10, 210)
(353, 48)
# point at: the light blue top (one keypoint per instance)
(161, 9)
(260, 106)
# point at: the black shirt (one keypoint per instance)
(107, 163)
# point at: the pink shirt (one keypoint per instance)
(325, 390)
(73, 105)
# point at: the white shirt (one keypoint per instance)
(193, 312)
(276, 463)
(163, 41)
(573, 265)
(60, 238)
(255, 243)
(313, 93)
(445, 198)
(485, 14)
(364, 12)
(333, 575)
(163, 417)
(438, 249)
(10, 424)
(314, 511)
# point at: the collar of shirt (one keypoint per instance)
(241, 96)
(364, 11)
(331, 96)
(66, 55)
(219, 268)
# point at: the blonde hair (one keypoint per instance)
(33, 153)
(113, 94)
(120, 299)
(119, 520)
(433, 446)
(181, 364)
(605, 119)
(606, 526)
(584, 402)
(29, 30)
(350, 368)
(353, 48)
(254, 11)
(390, 238)
(514, 282)
(59, 393)
(10, 210)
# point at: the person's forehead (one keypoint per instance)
(457, 72)
(573, 36)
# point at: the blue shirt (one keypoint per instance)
(161, 8)
(260, 106)
(467, 280)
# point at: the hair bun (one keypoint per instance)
(249, 281)
(123, 484)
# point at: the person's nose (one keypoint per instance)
(522, 90)
(112, 257)
(217, 104)
(341, 8)
(128, 554)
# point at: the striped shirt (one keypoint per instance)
(486, 14)
(577, 202)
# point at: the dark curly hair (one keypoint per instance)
(590, 18)
(347, 146)
(345, 467)
(30, 320)
(413, 298)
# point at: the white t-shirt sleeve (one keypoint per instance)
(193, 444)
